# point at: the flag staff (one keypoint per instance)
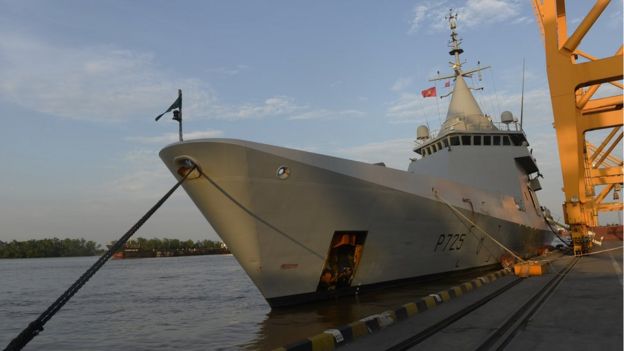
(522, 96)
(177, 114)
(176, 107)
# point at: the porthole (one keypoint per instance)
(283, 172)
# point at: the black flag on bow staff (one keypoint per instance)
(176, 107)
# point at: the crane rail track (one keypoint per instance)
(500, 337)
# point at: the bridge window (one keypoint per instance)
(487, 140)
(445, 142)
(477, 140)
(454, 140)
(496, 139)
(439, 146)
(465, 140)
(516, 139)
(506, 140)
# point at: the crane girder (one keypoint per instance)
(586, 169)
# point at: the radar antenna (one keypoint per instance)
(456, 51)
(455, 43)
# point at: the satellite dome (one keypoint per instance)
(422, 133)
(507, 117)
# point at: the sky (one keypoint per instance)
(81, 82)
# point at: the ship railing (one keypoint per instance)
(489, 128)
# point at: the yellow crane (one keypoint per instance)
(590, 172)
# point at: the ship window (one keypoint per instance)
(454, 140)
(506, 140)
(496, 139)
(445, 142)
(516, 139)
(477, 140)
(439, 146)
(487, 140)
(433, 148)
(465, 139)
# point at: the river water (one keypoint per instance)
(190, 303)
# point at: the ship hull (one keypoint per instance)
(283, 230)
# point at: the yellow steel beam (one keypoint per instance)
(606, 103)
(575, 39)
(610, 161)
(596, 72)
(600, 120)
(604, 143)
(585, 95)
(603, 194)
(607, 152)
(610, 206)
(593, 58)
(584, 98)
(562, 23)
(572, 86)
(608, 172)
(537, 11)
(615, 179)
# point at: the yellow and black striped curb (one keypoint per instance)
(332, 338)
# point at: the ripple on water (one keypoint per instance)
(190, 303)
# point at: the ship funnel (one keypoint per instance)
(507, 117)
(422, 133)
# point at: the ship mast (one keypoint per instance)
(456, 51)
(454, 44)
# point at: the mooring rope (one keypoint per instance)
(602, 251)
(35, 327)
(476, 226)
(556, 234)
(258, 218)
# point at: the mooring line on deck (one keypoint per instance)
(258, 218)
(435, 191)
(601, 251)
(35, 327)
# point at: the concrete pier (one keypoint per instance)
(576, 305)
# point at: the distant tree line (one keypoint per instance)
(141, 248)
(54, 247)
(171, 244)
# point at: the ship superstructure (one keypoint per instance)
(306, 226)
(470, 148)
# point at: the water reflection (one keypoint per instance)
(287, 325)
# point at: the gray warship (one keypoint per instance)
(306, 226)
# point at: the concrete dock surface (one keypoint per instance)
(576, 305)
